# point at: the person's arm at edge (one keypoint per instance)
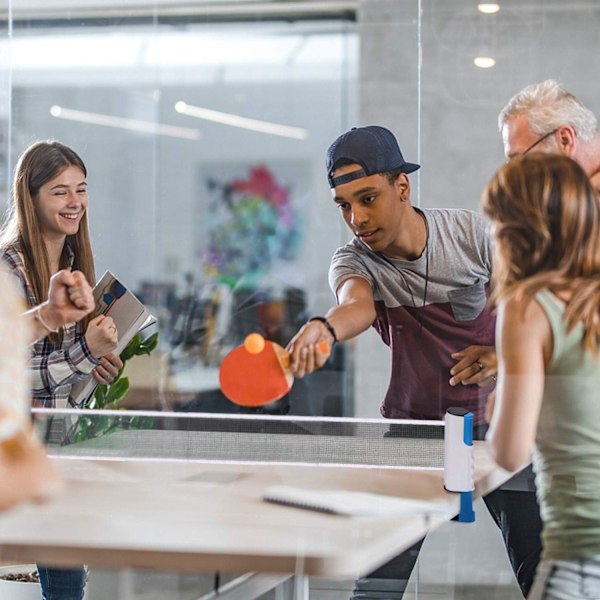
(354, 313)
(524, 344)
(70, 298)
(38, 331)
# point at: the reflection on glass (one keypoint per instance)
(205, 145)
(189, 219)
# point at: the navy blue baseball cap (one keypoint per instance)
(374, 148)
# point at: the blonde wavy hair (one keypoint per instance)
(547, 235)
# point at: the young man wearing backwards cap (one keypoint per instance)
(421, 278)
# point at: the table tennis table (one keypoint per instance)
(184, 492)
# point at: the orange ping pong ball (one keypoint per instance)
(324, 348)
(254, 343)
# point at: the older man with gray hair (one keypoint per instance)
(545, 117)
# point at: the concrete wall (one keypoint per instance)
(445, 113)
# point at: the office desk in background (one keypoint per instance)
(154, 385)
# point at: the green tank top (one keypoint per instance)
(566, 457)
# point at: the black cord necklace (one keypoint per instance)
(418, 312)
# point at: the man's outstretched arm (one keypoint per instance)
(354, 313)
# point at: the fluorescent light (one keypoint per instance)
(180, 49)
(122, 123)
(484, 62)
(55, 52)
(488, 8)
(243, 122)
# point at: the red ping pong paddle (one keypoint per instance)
(257, 372)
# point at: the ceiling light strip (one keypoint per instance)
(243, 122)
(123, 123)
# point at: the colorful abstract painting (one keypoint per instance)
(251, 224)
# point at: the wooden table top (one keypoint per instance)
(202, 516)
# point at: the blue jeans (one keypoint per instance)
(62, 584)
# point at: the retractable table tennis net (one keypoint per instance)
(241, 438)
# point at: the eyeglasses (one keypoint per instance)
(539, 141)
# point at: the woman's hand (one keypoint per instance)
(101, 336)
(108, 369)
(70, 298)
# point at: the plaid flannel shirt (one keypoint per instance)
(54, 367)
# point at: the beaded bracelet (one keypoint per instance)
(38, 317)
(328, 325)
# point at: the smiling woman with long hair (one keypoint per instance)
(24, 231)
(546, 217)
(47, 231)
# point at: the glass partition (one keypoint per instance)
(204, 135)
(204, 130)
(204, 127)
(5, 100)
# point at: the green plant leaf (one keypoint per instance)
(150, 343)
(108, 396)
(146, 346)
(81, 433)
(130, 349)
(117, 390)
(99, 396)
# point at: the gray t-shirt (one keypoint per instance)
(427, 309)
